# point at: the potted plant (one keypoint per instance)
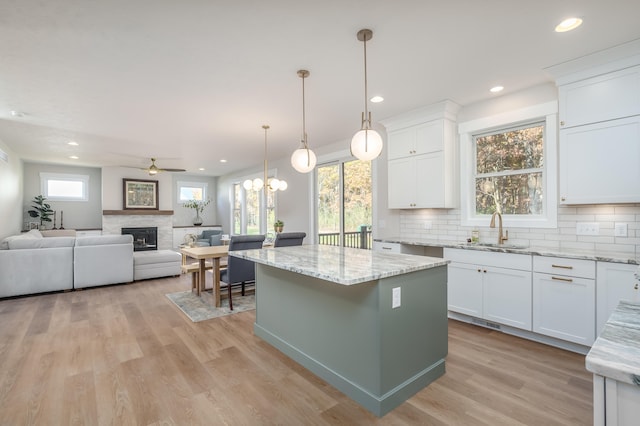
(278, 226)
(41, 209)
(198, 206)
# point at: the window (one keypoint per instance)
(344, 203)
(249, 214)
(64, 187)
(192, 191)
(509, 166)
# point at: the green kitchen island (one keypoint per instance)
(373, 325)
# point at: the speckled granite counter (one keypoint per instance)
(507, 248)
(616, 352)
(373, 325)
(341, 265)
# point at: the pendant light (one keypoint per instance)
(367, 143)
(303, 159)
(271, 184)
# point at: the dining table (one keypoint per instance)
(215, 253)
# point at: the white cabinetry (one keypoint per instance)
(564, 299)
(615, 282)
(422, 154)
(492, 286)
(614, 402)
(600, 138)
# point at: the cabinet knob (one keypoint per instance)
(479, 270)
(563, 198)
(485, 271)
(562, 123)
(635, 287)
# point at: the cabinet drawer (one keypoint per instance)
(485, 258)
(387, 247)
(565, 267)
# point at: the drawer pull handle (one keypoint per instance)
(569, 280)
(561, 266)
(386, 248)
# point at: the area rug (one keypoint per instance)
(201, 308)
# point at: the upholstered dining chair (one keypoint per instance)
(210, 237)
(287, 239)
(240, 272)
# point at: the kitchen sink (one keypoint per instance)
(504, 246)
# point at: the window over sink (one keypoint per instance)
(509, 166)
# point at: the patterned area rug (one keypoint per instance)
(202, 308)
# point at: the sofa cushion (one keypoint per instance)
(42, 243)
(33, 234)
(99, 240)
(58, 233)
(156, 256)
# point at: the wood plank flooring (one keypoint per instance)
(125, 355)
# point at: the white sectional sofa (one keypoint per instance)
(31, 263)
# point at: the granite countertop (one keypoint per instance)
(341, 265)
(509, 248)
(616, 352)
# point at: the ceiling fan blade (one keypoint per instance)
(172, 170)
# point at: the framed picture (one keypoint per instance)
(139, 194)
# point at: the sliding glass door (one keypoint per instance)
(344, 204)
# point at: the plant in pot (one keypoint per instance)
(41, 210)
(198, 206)
(278, 226)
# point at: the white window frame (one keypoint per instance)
(46, 177)
(202, 185)
(547, 112)
(262, 200)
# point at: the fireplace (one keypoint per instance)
(143, 238)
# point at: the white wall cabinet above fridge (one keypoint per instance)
(423, 157)
(599, 145)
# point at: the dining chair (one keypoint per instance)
(288, 239)
(240, 272)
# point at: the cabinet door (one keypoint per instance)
(429, 182)
(599, 163)
(402, 183)
(605, 97)
(564, 307)
(429, 137)
(615, 282)
(464, 289)
(507, 297)
(401, 143)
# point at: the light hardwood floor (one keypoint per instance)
(125, 355)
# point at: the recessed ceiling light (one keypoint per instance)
(568, 25)
(72, 143)
(201, 169)
(73, 157)
(18, 114)
(496, 89)
(223, 160)
(377, 99)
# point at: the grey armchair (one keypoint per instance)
(240, 271)
(210, 237)
(287, 239)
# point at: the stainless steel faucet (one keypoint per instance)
(501, 238)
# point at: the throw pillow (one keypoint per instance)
(33, 234)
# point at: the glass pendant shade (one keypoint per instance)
(366, 145)
(303, 160)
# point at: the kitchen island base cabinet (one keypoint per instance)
(352, 337)
(615, 403)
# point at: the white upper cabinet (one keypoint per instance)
(423, 157)
(602, 98)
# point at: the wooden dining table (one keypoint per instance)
(215, 253)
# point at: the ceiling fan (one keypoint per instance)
(154, 170)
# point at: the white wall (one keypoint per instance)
(11, 183)
(77, 214)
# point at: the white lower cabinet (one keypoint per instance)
(615, 403)
(615, 283)
(492, 286)
(564, 292)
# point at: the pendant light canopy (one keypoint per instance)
(367, 143)
(303, 159)
(271, 184)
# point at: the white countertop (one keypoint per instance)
(341, 265)
(538, 251)
(616, 352)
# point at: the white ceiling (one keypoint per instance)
(192, 82)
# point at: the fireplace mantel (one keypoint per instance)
(140, 212)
